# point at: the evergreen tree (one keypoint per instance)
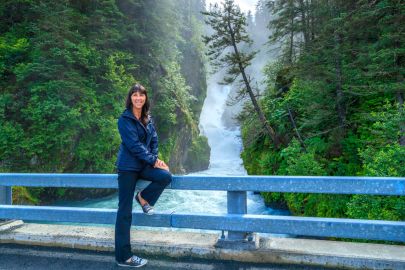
(229, 25)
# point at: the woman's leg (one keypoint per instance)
(160, 179)
(126, 188)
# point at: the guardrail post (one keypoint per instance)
(5, 195)
(5, 198)
(237, 204)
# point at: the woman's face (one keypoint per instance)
(138, 100)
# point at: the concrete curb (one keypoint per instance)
(201, 245)
(8, 225)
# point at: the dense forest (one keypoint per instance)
(66, 67)
(335, 100)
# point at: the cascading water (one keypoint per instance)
(226, 146)
(225, 143)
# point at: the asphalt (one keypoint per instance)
(48, 246)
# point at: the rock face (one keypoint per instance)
(191, 152)
(193, 148)
(183, 146)
(186, 150)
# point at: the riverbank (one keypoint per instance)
(177, 244)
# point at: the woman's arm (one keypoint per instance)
(154, 148)
(130, 139)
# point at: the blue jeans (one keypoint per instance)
(126, 189)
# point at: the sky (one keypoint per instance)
(245, 5)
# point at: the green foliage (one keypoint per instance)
(377, 207)
(177, 96)
(65, 69)
(339, 79)
(386, 161)
(317, 205)
(23, 195)
(297, 163)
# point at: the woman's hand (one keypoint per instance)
(161, 165)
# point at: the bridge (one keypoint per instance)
(241, 227)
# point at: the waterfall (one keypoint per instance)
(226, 145)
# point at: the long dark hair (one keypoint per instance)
(145, 109)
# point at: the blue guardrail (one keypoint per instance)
(236, 221)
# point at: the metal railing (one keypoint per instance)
(236, 221)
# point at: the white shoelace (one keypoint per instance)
(136, 259)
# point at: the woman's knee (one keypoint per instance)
(167, 179)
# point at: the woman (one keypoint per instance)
(137, 159)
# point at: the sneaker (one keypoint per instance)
(146, 208)
(134, 262)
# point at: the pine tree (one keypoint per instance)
(229, 25)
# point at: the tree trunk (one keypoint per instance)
(400, 98)
(290, 58)
(339, 92)
(269, 129)
(311, 22)
(297, 133)
(400, 78)
(304, 21)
